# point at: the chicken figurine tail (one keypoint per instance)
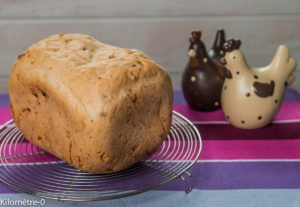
(251, 97)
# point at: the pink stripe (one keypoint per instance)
(179, 150)
(212, 150)
(250, 149)
(5, 115)
(239, 149)
(288, 111)
(18, 150)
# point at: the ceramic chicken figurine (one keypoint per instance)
(251, 97)
(202, 81)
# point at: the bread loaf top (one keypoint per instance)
(80, 66)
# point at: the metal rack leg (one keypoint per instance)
(187, 182)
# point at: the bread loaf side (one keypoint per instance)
(98, 107)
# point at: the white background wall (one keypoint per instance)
(160, 28)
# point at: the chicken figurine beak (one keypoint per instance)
(223, 61)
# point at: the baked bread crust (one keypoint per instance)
(98, 107)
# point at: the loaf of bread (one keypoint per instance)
(98, 107)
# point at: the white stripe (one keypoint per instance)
(196, 122)
(31, 163)
(7, 123)
(251, 160)
(226, 122)
(198, 161)
(286, 121)
(210, 122)
(233, 160)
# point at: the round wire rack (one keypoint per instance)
(27, 168)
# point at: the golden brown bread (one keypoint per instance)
(98, 107)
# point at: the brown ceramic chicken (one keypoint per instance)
(202, 82)
(251, 97)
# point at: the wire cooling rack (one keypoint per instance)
(27, 168)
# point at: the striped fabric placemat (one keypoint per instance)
(261, 163)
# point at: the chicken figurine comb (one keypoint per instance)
(251, 97)
(203, 78)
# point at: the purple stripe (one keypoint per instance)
(242, 175)
(6, 189)
(292, 95)
(178, 97)
(4, 101)
(228, 132)
(232, 175)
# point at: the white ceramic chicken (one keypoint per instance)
(251, 97)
